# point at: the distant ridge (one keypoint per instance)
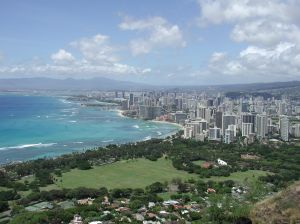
(101, 83)
(241, 86)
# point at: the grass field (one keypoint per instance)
(134, 174)
(3, 188)
(199, 162)
(130, 173)
(250, 175)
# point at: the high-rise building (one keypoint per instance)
(295, 130)
(261, 125)
(297, 109)
(246, 129)
(149, 112)
(201, 112)
(232, 127)
(244, 107)
(198, 126)
(227, 120)
(192, 114)
(214, 133)
(284, 128)
(187, 132)
(228, 136)
(249, 118)
(282, 108)
(210, 102)
(131, 99)
(219, 116)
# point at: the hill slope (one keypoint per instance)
(283, 207)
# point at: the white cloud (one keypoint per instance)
(159, 34)
(269, 27)
(265, 23)
(96, 49)
(265, 32)
(62, 56)
(262, 64)
(220, 11)
(217, 57)
(146, 70)
(97, 59)
(78, 69)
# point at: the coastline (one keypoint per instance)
(180, 127)
(78, 149)
(120, 113)
(35, 148)
(168, 122)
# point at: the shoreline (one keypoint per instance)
(168, 122)
(82, 150)
(120, 113)
(179, 126)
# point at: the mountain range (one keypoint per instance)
(101, 83)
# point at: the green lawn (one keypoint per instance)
(3, 188)
(250, 175)
(135, 174)
(130, 173)
(199, 162)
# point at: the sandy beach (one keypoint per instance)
(167, 122)
(120, 113)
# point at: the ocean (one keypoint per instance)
(35, 126)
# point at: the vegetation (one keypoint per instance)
(151, 171)
(136, 173)
(283, 207)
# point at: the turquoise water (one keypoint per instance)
(45, 126)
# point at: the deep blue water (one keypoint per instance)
(44, 126)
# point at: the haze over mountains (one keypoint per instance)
(68, 84)
(101, 83)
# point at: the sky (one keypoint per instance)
(160, 42)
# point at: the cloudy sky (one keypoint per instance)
(158, 41)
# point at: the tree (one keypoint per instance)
(83, 165)
(135, 204)
(4, 206)
(156, 187)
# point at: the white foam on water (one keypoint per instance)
(108, 140)
(147, 138)
(65, 101)
(136, 126)
(38, 145)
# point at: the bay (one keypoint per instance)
(37, 126)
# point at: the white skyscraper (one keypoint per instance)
(261, 125)
(295, 130)
(228, 136)
(214, 133)
(246, 129)
(187, 132)
(284, 128)
(232, 127)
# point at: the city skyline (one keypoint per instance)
(170, 42)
